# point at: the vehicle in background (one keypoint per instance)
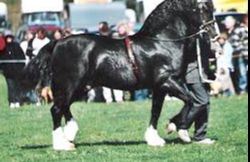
(86, 17)
(220, 17)
(4, 23)
(235, 8)
(35, 14)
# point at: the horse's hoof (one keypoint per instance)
(171, 127)
(70, 130)
(153, 139)
(64, 147)
(60, 143)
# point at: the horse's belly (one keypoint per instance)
(118, 78)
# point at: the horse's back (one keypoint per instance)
(102, 60)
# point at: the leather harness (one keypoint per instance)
(132, 58)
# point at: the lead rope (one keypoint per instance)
(200, 67)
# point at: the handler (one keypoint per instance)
(199, 90)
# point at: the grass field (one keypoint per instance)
(114, 133)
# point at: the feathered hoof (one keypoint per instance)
(171, 127)
(70, 130)
(60, 143)
(153, 139)
(68, 146)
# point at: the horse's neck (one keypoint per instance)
(167, 20)
(175, 28)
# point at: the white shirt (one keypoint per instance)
(24, 46)
(38, 44)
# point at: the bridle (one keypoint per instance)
(202, 5)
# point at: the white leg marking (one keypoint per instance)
(70, 130)
(60, 143)
(152, 137)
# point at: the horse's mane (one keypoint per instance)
(163, 13)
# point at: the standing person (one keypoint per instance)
(33, 47)
(238, 37)
(11, 71)
(58, 34)
(2, 47)
(104, 29)
(225, 66)
(31, 96)
(26, 45)
(199, 90)
(40, 40)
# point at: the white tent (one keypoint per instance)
(31, 6)
(3, 9)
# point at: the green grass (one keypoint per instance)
(114, 133)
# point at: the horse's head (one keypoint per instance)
(203, 13)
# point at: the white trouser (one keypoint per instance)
(107, 94)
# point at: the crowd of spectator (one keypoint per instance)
(231, 66)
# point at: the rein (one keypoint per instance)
(179, 39)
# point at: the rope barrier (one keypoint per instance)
(13, 61)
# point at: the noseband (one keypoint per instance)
(201, 5)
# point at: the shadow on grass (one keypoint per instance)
(102, 143)
(34, 147)
(124, 143)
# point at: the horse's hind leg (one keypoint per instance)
(71, 128)
(63, 93)
(60, 142)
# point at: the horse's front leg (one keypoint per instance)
(151, 136)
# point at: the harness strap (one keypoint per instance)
(131, 57)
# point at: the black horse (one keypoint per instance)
(157, 63)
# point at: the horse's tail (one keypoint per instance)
(38, 71)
